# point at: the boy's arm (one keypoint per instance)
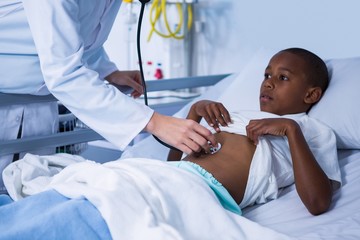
(214, 113)
(312, 184)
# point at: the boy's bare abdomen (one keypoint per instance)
(231, 164)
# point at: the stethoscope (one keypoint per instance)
(143, 4)
(213, 150)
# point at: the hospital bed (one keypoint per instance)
(283, 218)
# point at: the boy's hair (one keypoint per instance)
(318, 72)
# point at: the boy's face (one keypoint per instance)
(285, 85)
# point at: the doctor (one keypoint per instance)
(57, 47)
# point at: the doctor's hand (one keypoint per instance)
(127, 78)
(214, 113)
(186, 135)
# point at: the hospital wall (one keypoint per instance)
(227, 32)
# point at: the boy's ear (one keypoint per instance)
(313, 95)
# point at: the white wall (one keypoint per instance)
(232, 30)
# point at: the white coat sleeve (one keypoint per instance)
(56, 32)
(101, 63)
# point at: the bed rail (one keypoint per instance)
(86, 135)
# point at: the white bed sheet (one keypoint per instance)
(138, 198)
(287, 214)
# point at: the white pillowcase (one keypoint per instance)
(337, 108)
(243, 92)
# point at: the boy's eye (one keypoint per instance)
(284, 78)
(267, 76)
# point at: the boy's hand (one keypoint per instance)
(268, 126)
(214, 113)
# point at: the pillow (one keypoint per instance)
(212, 93)
(246, 87)
(338, 106)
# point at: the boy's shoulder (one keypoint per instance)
(315, 123)
(315, 131)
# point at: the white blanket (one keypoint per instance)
(141, 198)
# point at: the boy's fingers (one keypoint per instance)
(226, 116)
(216, 116)
(212, 120)
(221, 120)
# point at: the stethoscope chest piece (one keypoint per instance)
(214, 150)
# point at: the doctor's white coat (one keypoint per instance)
(57, 47)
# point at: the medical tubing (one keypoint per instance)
(160, 9)
(167, 25)
(142, 70)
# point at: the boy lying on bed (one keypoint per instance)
(264, 151)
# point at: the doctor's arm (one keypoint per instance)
(312, 184)
(100, 62)
(131, 79)
(79, 86)
(103, 108)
